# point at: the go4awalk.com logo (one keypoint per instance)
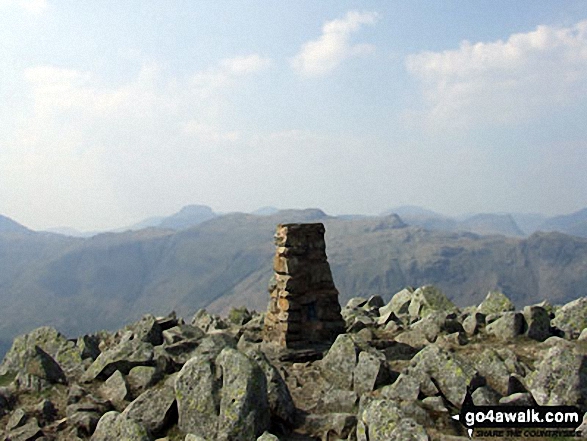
(519, 421)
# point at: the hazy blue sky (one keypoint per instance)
(112, 111)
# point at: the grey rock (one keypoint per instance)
(405, 388)
(583, 335)
(339, 363)
(123, 357)
(27, 432)
(182, 332)
(374, 302)
(495, 302)
(244, 408)
(330, 426)
(17, 419)
(497, 365)
(538, 323)
(198, 403)
(408, 430)
(434, 404)
(115, 389)
(148, 330)
(208, 322)
(84, 423)
(337, 401)
(370, 372)
(155, 409)
(572, 317)
(518, 399)
(415, 338)
(40, 370)
(89, 346)
(281, 404)
(507, 327)
(379, 420)
(356, 302)
(114, 426)
(427, 299)
(141, 377)
(449, 372)
(399, 303)
(267, 437)
(474, 323)
(560, 378)
(485, 396)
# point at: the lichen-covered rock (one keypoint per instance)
(560, 378)
(26, 432)
(115, 389)
(328, 426)
(495, 302)
(196, 392)
(399, 303)
(537, 323)
(223, 398)
(123, 357)
(147, 329)
(244, 408)
(140, 378)
(339, 363)
(379, 420)
(281, 404)
(572, 317)
(40, 371)
(114, 426)
(50, 341)
(427, 299)
(508, 326)
(497, 365)
(473, 323)
(155, 409)
(370, 372)
(449, 372)
(404, 388)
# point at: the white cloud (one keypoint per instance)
(504, 81)
(321, 56)
(226, 72)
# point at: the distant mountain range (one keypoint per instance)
(507, 224)
(84, 284)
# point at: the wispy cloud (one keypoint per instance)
(321, 56)
(504, 82)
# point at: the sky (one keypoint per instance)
(112, 112)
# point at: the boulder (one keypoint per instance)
(244, 408)
(113, 426)
(537, 322)
(50, 341)
(497, 365)
(370, 372)
(427, 299)
(123, 357)
(572, 317)
(399, 303)
(40, 370)
(281, 404)
(115, 389)
(26, 432)
(339, 363)
(507, 327)
(196, 392)
(223, 397)
(560, 378)
(378, 420)
(495, 302)
(329, 426)
(141, 377)
(448, 371)
(147, 329)
(473, 323)
(155, 409)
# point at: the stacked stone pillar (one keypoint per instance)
(303, 307)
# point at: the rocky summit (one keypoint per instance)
(399, 371)
(306, 370)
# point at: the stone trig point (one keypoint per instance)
(303, 307)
